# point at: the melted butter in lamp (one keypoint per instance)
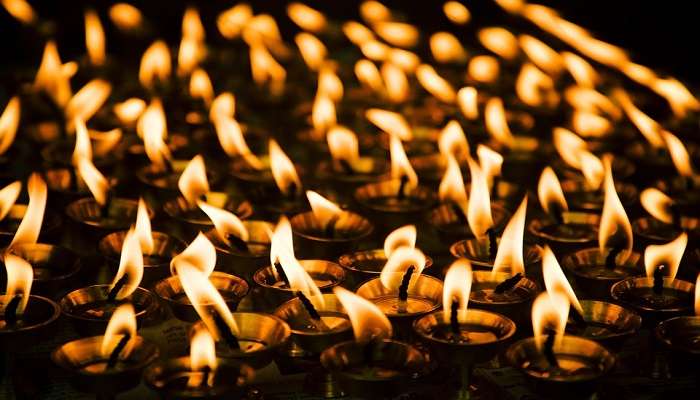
(390, 304)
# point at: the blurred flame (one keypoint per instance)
(368, 75)
(457, 287)
(343, 144)
(398, 263)
(155, 64)
(467, 102)
(281, 240)
(225, 222)
(435, 84)
(368, 321)
(323, 209)
(30, 227)
(232, 141)
(496, 122)
(192, 24)
(549, 192)
(679, 154)
(224, 105)
(357, 33)
(87, 101)
(512, 6)
(398, 34)
(93, 178)
(588, 124)
(592, 169)
(83, 147)
(554, 279)
(130, 265)
(200, 86)
(189, 55)
(312, 50)
(456, 12)
(125, 16)
(200, 255)
(122, 323)
(668, 255)
(283, 170)
(451, 189)
(535, 88)
(483, 68)
(550, 311)
(541, 55)
(390, 122)
(329, 83)
(479, 211)
(202, 357)
(143, 228)
(94, 38)
(20, 9)
(510, 249)
(490, 162)
(322, 115)
(306, 17)
(583, 73)
(613, 221)
(453, 141)
(404, 236)
(193, 183)
(374, 11)
(500, 41)
(8, 197)
(266, 69)
(400, 166)
(404, 59)
(375, 50)
(678, 96)
(649, 128)
(657, 204)
(446, 48)
(129, 110)
(152, 128)
(588, 99)
(9, 122)
(53, 77)
(395, 82)
(232, 21)
(20, 276)
(569, 146)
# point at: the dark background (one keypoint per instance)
(658, 34)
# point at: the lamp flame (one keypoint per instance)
(122, 323)
(588, 99)
(404, 236)
(200, 255)
(9, 121)
(368, 75)
(592, 169)
(483, 68)
(456, 12)
(679, 154)
(343, 144)
(8, 197)
(322, 115)
(306, 17)
(678, 96)
(225, 222)
(569, 146)
(323, 209)
(614, 222)
(583, 73)
(496, 122)
(193, 183)
(94, 38)
(357, 33)
(224, 105)
(312, 50)
(283, 170)
(499, 41)
(373, 11)
(93, 178)
(658, 204)
(649, 128)
(467, 102)
(143, 228)
(368, 321)
(155, 64)
(329, 83)
(431, 81)
(395, 83)
(451, 189)
(398, 34)
(125, 16)
(667, 255)
(554, 279)
(232, 141)
(232, 21)
(510, 250)
(200, 86)
(541, 55)
(400, 166)
(490, 162)
(479, 210)
(153, 130)
(130, 265)
(129, 110)
(20, 276)
(446, 48)
(453, 141)
(21, 10)
(535, 88)
(398, 263)
(202, 357)
(30, 227)
(590, 124)
(550, 312)
(549, 192)
(87, 101)
(458, 286)
(53, 77)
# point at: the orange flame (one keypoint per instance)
(404, 59)
(357, 33)
(152, 128)
(189, 55)
(8, 197)
(467, 102)
(122, 323)
(404, 236)
(368, 75)
(130, 265)
(496, 122)
(232, 21)
(451, 189)
(375, 50)
(490, 162)
(322, 115)
(613, 220)
(453, 141)
(192, 24)
(29, 228)
(20, 276)
(329, 84)
(323, 209)
(535, 88)
(550, 311)
(390, 122)
(446, 48)
(343, 144)
(224, 105)
(554, 279)
(9, 121)
(649, 128)
(500, 41)
(679, 154)
(658, 204)
(435, 84)
(549, 192)
(232, 141)
(541, 55)
(94, 38)
(155, 64)
(125, 16)
(456, 12)
(129, 111)
(510, 250)
(200, 86)
(569, 146)
(53, 77)
(697, 296)
(398, 263)
(458, 285)
(225, 222)
(592, 169)
(283, 170)
(87, 101)
(588, 99)
(93, 178)
(400, 166)
(20, 9)
(678, 96)
(479, 211)
(312, 50)
(589, 124)
(398, 34)
(281, 241)
(368, 321)
(266, 69)
(583, 73)
(667, 255)
(193, 183)
(83, 147)
(395, 82)
(200, 254)
(202, 357)
(374, 11)
(143, 228)
(483, 68)
(306, 17)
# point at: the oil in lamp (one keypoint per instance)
(241, 246)
(110, 364)
(659, 295)
(327, 231)
(459, 336)
(89, 309)
(200, 255)
(24, 318)
(373, 365)
(251, 338)
(666, 221)
(558, 364)
(562, 229)
(398, 201)
(401, 291)
(157, 248)
(201, 375)
(363, 265)
(12, 214)
(597, 269)
(275, 283)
